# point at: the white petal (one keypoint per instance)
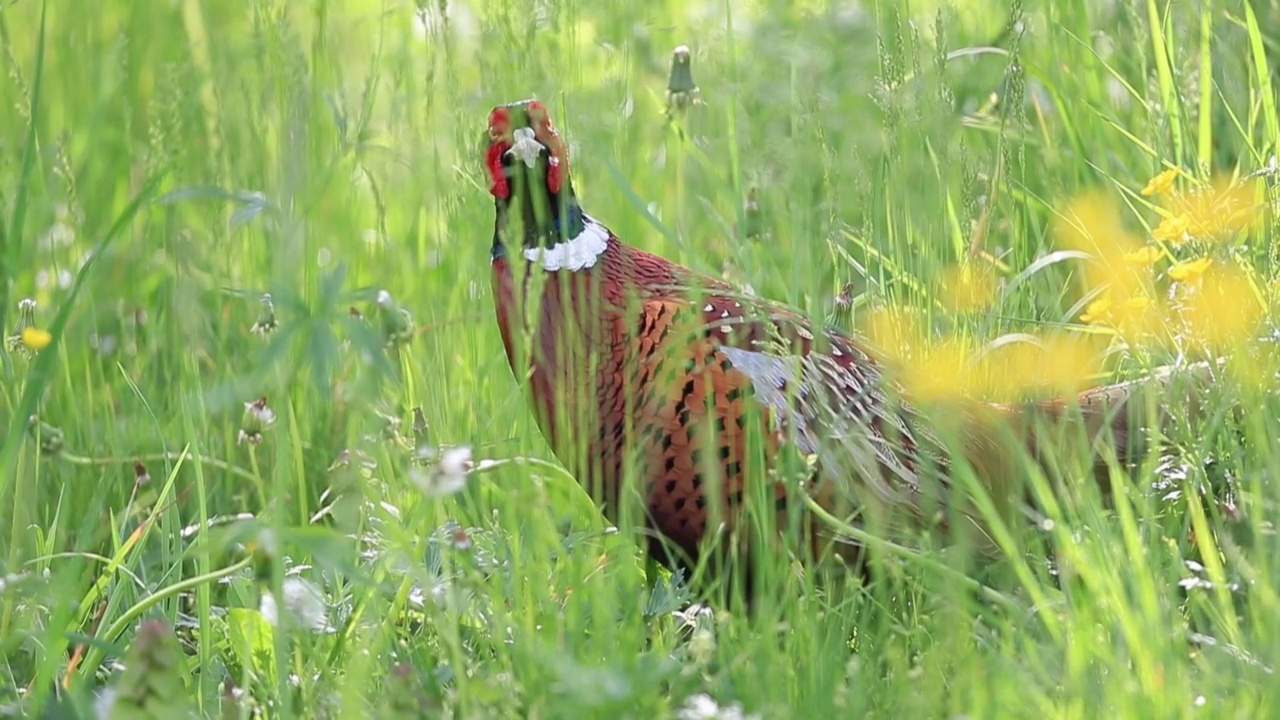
(456, 461)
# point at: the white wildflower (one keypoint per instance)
(1194, 583)
(703, 707)
(263, 413)
(11, 579)
(448, 476)
(105, 702)
(303, 602)
(437, 592)
(456, 461)
(694, 615)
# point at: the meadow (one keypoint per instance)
(264, 455)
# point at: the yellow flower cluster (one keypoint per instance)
(1141, 288)
(1119, 274)
(955, 367)
(1218, 211)
(1213, 300)
(967, 288)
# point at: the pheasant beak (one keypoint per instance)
(528, 168)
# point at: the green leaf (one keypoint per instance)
(252, 641)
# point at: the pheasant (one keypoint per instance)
(664, 391)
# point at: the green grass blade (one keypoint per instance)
(11, 242)
(1170, 99)
(1262, 75)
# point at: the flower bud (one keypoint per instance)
(16, 341)
(266, 323)
(49, 437)
(682, 91)
(258, 417)
(141, 478)
(395, 322)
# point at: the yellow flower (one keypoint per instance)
(1140, 318)
(1054, 363)
(1133, 315)
(1172, 230)
(1223, 309)
(896, 331)
(1161, 183)
(942, 371)
(1189, 270)
(1137, 304)
(35, 338)
(1221, 210)
(1092, 224)
(1067, 362)
(1146, 255)
(967, 288)
(1098, 311)
(1258, 367)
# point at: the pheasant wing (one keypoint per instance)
(736, 364)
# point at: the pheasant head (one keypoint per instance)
(528, 166)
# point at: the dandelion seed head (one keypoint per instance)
(303, 603)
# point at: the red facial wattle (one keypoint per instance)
(499, 142)
(501, 136)
(498, 184)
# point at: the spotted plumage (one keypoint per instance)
(666, 392)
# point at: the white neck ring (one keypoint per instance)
(577, 253)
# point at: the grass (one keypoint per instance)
(166, 164)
